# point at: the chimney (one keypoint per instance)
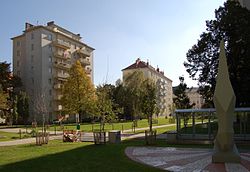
(147, 62)
(137, 61)
(50, 23)
(28, 26)
(157, 69)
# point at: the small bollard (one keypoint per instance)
(55, 130)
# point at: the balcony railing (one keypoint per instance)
(58, 86)
(61, 55)
(84, 52)
(85, 61)
(62, 65)
(61, 43)
(61, 75)
(58, 97)
(88, 70)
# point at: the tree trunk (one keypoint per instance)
(150, 123)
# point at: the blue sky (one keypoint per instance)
(160, 31)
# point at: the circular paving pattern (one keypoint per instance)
(185, 159)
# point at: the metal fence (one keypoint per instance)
(202, 123)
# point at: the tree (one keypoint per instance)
(78, 92)
(149, 100)
(232, 24)
(10, 86)
(104, 105)
(3, 99)
(133, 84)
(181, 100)
(5, 75)
(23, 107)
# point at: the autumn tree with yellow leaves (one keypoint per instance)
(78, 92)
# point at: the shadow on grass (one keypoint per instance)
(85, 157)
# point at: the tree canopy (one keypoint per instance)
(181, 100)
(232, 23)
(78, 92)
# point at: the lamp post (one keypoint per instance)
(60, 110)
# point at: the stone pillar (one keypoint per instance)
(225, 149)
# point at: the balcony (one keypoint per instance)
(58, 97)
(58, 108)
(88, 70)
(61, 55)
(62, 65)
(61, 75)
(85, 61)
(84, 52)
(62, 44)
(58, 86)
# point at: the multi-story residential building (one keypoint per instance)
(42, 56)
(195, 97)
(164, 84)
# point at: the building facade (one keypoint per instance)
(195, 97)
(42, 57)
(164, 84)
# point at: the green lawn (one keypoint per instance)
(6, 136)
(59, 156)
(87, 127)
(162, 130)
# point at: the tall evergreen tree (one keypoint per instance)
(232, 24)
(181, 100)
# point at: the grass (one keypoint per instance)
(162, 130)
(80, 156)
(6, 136)
(59, 156)
(87, 127)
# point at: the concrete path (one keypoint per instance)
(87, 136)
(185, 159)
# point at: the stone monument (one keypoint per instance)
(225, 149)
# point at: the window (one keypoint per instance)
(32, 68)
(32, 58)
(50, 105)
(50, 37)
(50, 70)
(50, 92)
(50, 47)
(50, 81)
(32, 46)
(17, 63)
(32, 35)
(18, 73)
(50, 59)
(18, 53)
(32, 80)
(18, 43)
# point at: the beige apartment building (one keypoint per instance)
(195, 97)
(42, 57)
(164, 84)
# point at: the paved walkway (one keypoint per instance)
(87, 136)
(185, 159)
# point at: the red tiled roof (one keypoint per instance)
(138, 64)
